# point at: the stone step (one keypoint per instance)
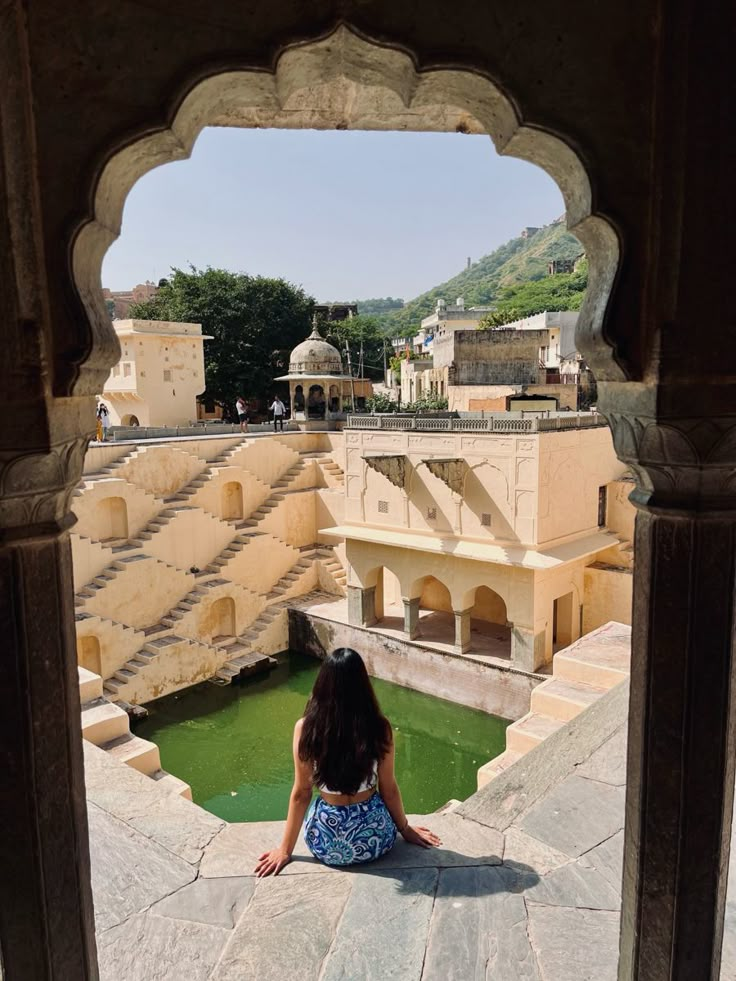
(140, 754)
(113, 686)
(601, 664)
(155, 628)
(103, 721)
(563, 700)
(530, 731)
(124, 675)
(494, 768)
(171, 784)
(90, 685)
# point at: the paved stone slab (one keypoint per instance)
(287, 930)
(575, 884)
(156, 948)
(129, 871)
(608, 858)
(173, 822)
(235, 850)
(479, 928)
(574, 944)
(527, 853)
(218, 902)
(608, 764)
(383, 931)
(576, 815)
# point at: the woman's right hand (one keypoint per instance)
(272, 862)
(420, 836)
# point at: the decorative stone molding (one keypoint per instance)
(36, 487)
(451, 472)
(345, 81)
(680, 462)
(393, 466)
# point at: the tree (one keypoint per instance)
(254, 322)
(356, 331)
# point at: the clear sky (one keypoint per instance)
(347, 215)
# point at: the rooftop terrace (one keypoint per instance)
(489, 422)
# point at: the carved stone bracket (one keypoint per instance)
(393, 466)
(451, 471)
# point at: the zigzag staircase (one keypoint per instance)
(107, 725)
(581, 674)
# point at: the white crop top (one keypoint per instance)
(369, 784)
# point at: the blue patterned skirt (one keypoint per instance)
(347, 834)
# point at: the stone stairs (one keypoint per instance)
(114, 686)
(287, 582)
(107, 471)
(104, 578)
(242, 664)
(332, 564)
(155, 525)
(107, 725)
(326, 462)
(582, 673)
(185, 605)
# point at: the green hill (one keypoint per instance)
(493, 277)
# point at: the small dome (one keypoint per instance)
(315, 357)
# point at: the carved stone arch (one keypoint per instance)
(339, 80)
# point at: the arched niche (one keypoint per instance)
(89, 655)
(112, 519)
(488, 606)
(232, 501)
(222, 618)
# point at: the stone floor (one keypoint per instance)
(525, 886)
(490, 643)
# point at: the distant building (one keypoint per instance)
(120, 302)
(530, 363)
(159, 375)
(446, 316)
(529, 231)
(331, 312)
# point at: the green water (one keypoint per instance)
(232, 745)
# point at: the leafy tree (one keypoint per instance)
(429, 402)
(498, 318)
(379, 305)
(255, 322)
(356, 331)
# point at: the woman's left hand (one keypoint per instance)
(272, 862)
(420, 836)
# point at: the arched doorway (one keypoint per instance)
(222, 619)
(334, 401)
(489, 630)
(436, 617)
(129, 420)
(232, 501)
(316, 402)
(112, 515)
(88, 654)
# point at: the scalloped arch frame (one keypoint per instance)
(346, 81)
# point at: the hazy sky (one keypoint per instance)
(346, 215)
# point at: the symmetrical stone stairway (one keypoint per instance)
(582, 673)
(108, 726)
(310, 568)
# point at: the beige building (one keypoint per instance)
(493, 523)
(159, 375)
(120, 301)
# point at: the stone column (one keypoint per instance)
(47, 925)
(682, 721)
(362, 606)
(527, 647)
(46, 915)
(411, 618)
(462, 631)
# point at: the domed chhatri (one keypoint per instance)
(315, 356)
(318, 388)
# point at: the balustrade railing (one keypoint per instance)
(489, 424)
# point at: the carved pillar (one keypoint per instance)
(411, 618)
(682, 727)
(462, 631)
(362, 606)
(46, 915)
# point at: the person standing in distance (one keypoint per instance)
(279, 411)
(242, 410)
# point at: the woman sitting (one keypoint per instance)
(344, 745)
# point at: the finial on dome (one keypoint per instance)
(315, 335)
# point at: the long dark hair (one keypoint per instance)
(344, 730)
